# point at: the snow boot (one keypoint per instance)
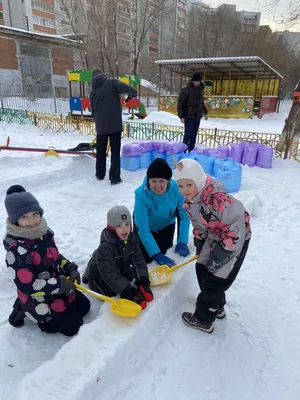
(16, 318)
(116, 182)
(221, 313)
(191, 321)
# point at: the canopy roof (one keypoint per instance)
(216, 68)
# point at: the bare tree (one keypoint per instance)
(144, 14)
(291, 16)
(217, 31)
(103, 35)
(71, 20)
(291, 128)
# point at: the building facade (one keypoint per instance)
(30, 15)
(34, 58)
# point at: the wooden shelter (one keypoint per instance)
(236, 87)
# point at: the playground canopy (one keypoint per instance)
(216, 68)
(248, 79)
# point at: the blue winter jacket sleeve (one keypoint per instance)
(141, 218)
(184, 222)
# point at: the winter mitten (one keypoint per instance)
(146, 293)
(132, 294)
(67, 287)
(182, 249)
(163, 260)
(72, 272)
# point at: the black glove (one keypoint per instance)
(132, 294)
(72, 272)
(67, 287)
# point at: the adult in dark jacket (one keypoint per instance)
(107, 112)
(191, 108)
(118, 267)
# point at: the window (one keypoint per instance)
(123, 42)
(38, 5)
(249, 29)
(35, 65)
(182, 3)
(49, 23)
(1, 13)
(124, 9)
(153, 40)
(153, 49)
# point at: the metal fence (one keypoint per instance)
(38, 97)
(138, 130)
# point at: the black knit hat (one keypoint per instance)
(18, 202)
(159, 168)
(196, 77)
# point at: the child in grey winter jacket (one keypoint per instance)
(221, 236)
(118, 267)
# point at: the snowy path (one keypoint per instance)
(252, 355)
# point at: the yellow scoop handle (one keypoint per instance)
(95, 294)
(183, 264)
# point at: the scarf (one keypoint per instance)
(27, 233)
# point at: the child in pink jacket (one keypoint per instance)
(221, 235)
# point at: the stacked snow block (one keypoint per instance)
(146, 155)
(226, 170)
(174, 152)
(159, 150)
(230, 173)
(131, 157)
(252, 154)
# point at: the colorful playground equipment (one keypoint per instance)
(80, 105)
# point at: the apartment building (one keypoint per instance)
(30, 15)
(248, 21)
(173, 29)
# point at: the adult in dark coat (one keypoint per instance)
(191, 108)
(107, 112)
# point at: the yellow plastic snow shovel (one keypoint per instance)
(163, 274)
(121, 307)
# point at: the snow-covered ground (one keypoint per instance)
(254, 354)
(268, 124)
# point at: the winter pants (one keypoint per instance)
(69, 321)
(164, 240)
(212, 295)
(102, 288)
(115, 149)
(191, 127)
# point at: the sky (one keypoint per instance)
(270, 11)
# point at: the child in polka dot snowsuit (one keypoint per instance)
(45, 295)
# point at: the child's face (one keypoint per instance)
(123, 230)
(187, 188)
(158, 185)
(30, 220)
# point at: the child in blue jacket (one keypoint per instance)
(158, 203)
